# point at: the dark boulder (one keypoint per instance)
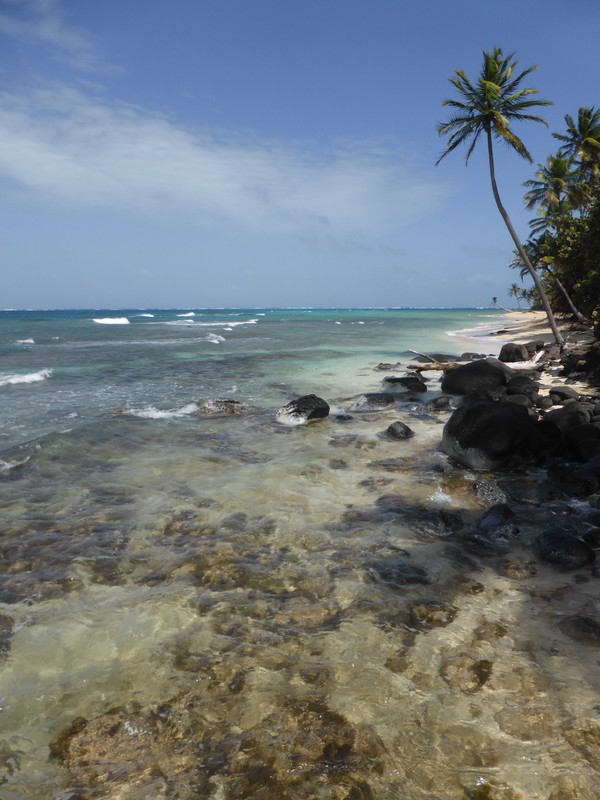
(564, 549)
(441, 403)
(483, 436)
(584, 441)
(399, 430)
(488, 373)
(513, 352)
(305, 409)
(495, 530)
(561, 393)
(522, 384)
(407, 383)
(569, 415)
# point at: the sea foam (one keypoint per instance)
(111, 321)
(30, 377)
(150, 412)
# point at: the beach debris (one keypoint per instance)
(304, 409)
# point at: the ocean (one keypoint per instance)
(232, 607)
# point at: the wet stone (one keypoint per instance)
(431, 614)
(519, 570)
(399, 431)
(582, 628)
(564, 550)
(6, 630)
(584, 736)
(526, 722)
(465, 673)
(397, 573)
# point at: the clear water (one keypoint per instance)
(229, 582)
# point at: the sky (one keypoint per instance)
(265, 153)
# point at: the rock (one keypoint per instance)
(224, 406)
(526, 722)
(431, 614)
(581, 628)
(465, 673)
(584, 736)
(521, 384)
(483, 435)
(561, 393)
(584, 441)
(564, 550)
(397, 573)
(399, 430)
(569, 415)
(408, 383)
(441, 403)
(374, 401)
(498, 514)
(513, 352)
(6, 631)
(497, 539)
(305, 409)
(488, 373)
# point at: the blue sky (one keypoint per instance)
(198, 153)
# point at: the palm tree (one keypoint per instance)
(515, 292)
(582, 140)
(554, 189)
(488, 108)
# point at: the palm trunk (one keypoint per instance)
(521, 250)
(567, 296)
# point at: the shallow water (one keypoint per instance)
(277, 611)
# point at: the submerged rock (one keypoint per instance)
(374, 401)
(564, 550)
(582, 628)
(397, 573)
(223, 406)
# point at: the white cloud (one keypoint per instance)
(61, 145)
(44, 22)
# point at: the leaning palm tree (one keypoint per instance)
(488, 107)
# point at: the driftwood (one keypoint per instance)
(433, 364)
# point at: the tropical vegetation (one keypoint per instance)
(562, 254)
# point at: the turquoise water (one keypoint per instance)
(220, 596)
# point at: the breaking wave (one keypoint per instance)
(30, 377)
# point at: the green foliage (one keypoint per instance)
(565, 243)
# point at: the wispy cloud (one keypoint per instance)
(45, 23)
(64, 146)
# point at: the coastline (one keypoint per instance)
(511, 326)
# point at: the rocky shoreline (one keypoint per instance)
(519, 441)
